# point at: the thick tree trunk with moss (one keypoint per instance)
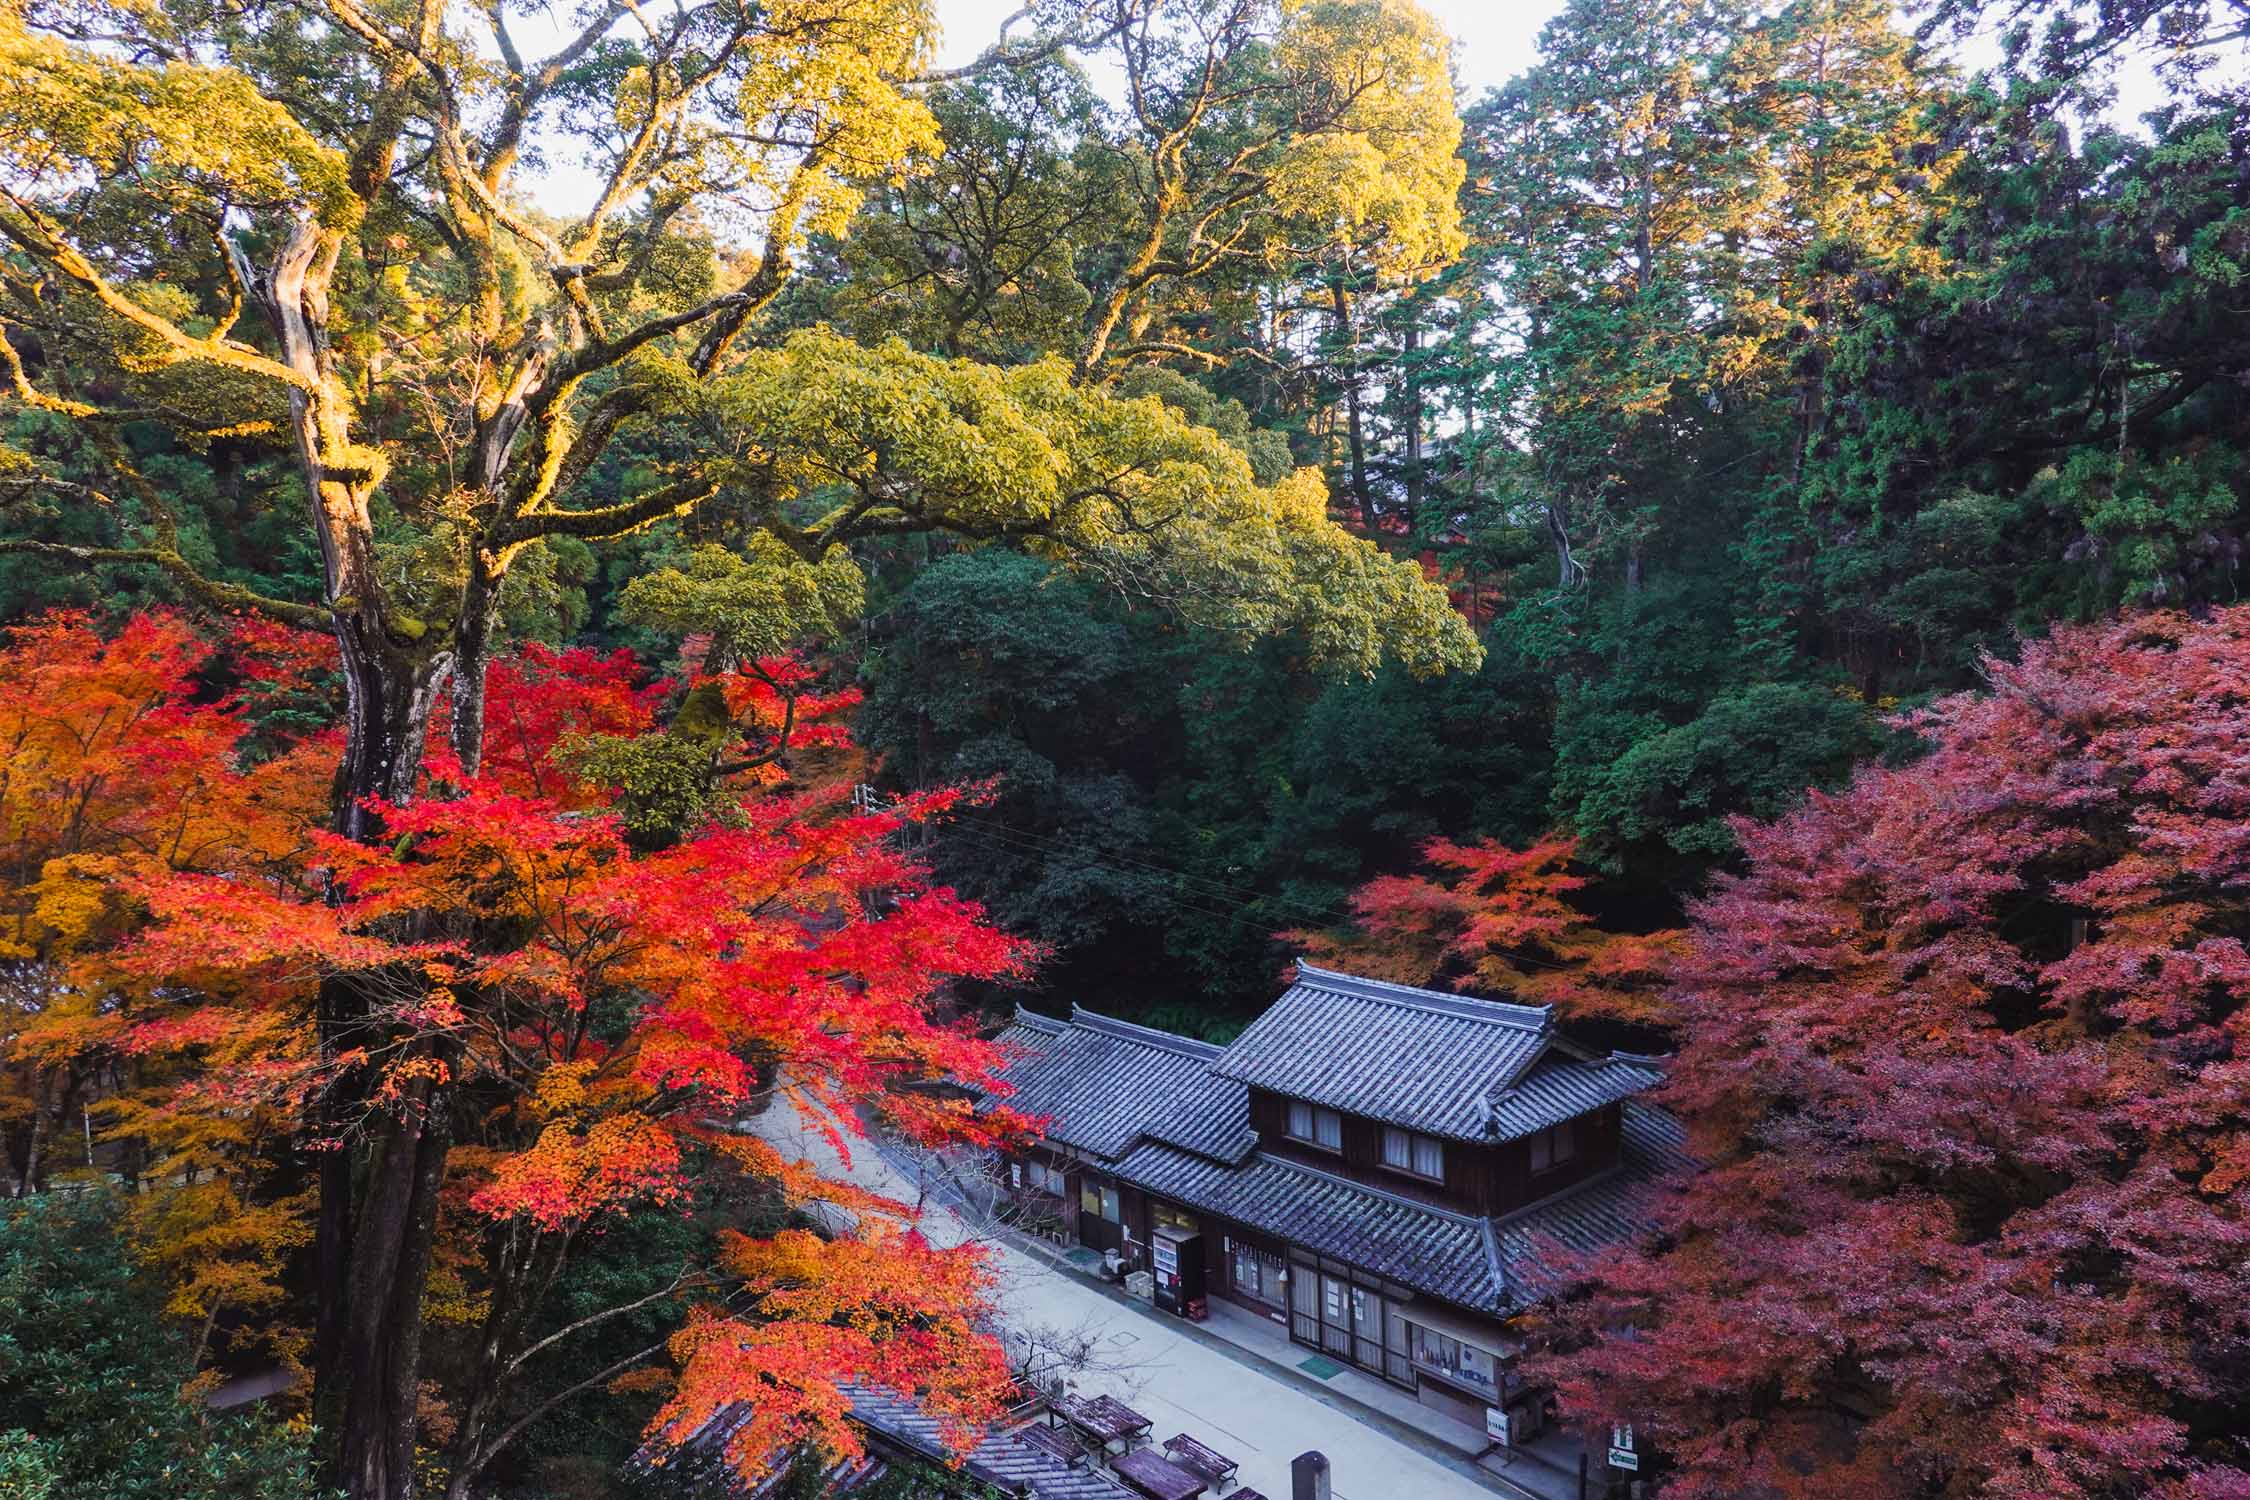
(396, 1227)
(384, 1162)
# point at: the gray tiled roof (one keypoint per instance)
(1445, 1254)
(1419, 1058)
(1609, 1210)
(898, 1425)
(1559, 1088)
(999, 1459)
(1169, 1114)
(1485, 1265)
(1103, 1084)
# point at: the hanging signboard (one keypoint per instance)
(1621, 1454)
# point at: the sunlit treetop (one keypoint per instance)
(337, 232)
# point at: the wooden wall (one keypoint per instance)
(1513, 1183)
(1479, 1179)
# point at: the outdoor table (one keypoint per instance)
(1055, 1443)
(1209, 1462)
(1105, 1419)
(1158, 1478)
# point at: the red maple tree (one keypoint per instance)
(554, 1022)
(1484, 916)
(1967, 1061)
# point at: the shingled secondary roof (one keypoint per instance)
(1606, 1210)
(1433, 1250)
(1419, 1058)
(1559, 1088)
(1103, 1084)
(1485, 1265)
(895, 1425)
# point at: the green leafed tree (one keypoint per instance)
(332, 233)
(94, 1400)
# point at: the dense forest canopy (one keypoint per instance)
(1186, 487)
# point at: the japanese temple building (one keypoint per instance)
(1382, 1170)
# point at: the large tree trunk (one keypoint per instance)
(35, 1152)
(380, 1166)
(1347, 340)
(1568, 570)
(472, 662)
(390, 1266)
(1410, 398)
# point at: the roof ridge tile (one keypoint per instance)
(1384, 991)
(1152, 1036)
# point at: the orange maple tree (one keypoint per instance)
(565, 1022)
(1484, 916)
(121, 764)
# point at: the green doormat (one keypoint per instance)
(1085, 1258)
(1321, 1366)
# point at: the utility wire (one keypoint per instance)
(1022, 841)
(1239, 898)
(1173, 897)
(1215, 889)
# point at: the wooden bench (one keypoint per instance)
(1190, 1454)
(1056, 1442)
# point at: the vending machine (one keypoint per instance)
(1177, 1258)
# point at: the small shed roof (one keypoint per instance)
(896, 1425)
(1560, 1087)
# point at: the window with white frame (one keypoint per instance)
(1322, 1127)
(1553, 1147)
(1042, 1178)
(1413, 1153)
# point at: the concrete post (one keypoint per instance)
(1308, 1476)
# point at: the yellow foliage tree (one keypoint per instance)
(327, 228)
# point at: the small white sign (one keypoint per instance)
(1496, 1425)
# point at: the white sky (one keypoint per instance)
(1495, 41)
(1497, 38)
